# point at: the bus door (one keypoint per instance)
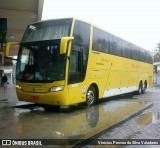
(78, 61)
(75, 75)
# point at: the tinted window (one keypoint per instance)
(134, 51)
(142, 55)
(79, 52)
(126, 51)
(100, 40)
(108, 43)
(149, 58)
(47, 30)
(40, 62)
(123, 49)
(116, 46)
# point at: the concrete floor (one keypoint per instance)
(34, 122)
(143, 126)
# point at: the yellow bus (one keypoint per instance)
(68, 61)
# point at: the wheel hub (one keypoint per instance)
(90, 96)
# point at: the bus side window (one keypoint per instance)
(116, 46)
(100, 40)
(125, 49)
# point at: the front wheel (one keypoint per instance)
(91, 97)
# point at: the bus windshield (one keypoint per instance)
(40, 61)
(47, 30)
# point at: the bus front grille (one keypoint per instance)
(36, 89)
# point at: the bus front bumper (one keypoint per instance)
(50, 98)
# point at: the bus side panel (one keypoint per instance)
(98, 71)
(116, 75)
(75, 93)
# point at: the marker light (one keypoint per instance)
(56, 88)
(18, 87)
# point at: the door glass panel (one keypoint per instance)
(79, 52)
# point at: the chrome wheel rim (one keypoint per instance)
(90, 97)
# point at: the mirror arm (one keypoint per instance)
(8, 45)
(64, 43)
(68, 57)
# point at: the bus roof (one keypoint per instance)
(48, 20)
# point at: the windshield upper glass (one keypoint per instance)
(40, 61)
(47, 30)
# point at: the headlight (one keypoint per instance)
(18, 87)
(56, 88)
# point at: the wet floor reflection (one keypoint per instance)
(150, 117)
(81, 123)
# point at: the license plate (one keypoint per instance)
(34, 97)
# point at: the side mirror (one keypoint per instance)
(63, 45)
(11, 49)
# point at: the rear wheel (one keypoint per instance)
(140, 88)
(145, 87)
(91, 97)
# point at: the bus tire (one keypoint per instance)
(145, 87)
(140, 89)
(91, 96)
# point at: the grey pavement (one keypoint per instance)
(144, 126)
(9, 96)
